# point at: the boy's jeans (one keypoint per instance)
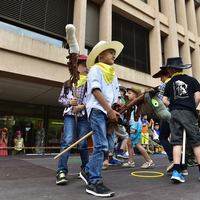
(103, 144)
(68, 139)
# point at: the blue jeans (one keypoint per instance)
(118, 146)
(83, 127)
(103, 144)
(163, 137)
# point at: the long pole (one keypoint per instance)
(152, 141)
(184, 142)
(2, 148)
(60, 154)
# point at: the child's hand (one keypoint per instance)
(132, 131)
(113, 115)
(78, 108)
(74, 101)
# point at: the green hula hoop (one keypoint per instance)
(159, 174)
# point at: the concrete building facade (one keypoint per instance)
(32, 71)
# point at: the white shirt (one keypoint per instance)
(155, 135)
(110, 92)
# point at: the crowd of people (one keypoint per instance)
(97, 91)
(17, 140)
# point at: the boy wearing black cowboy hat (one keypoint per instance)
(184, 95)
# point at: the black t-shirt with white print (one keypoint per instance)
(180, 89)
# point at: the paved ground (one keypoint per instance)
(33, 177)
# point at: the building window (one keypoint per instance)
(163, 50)
(45, 17)
(159, 6)
(135, 39)
(92, 24)
(87, 50)
(198, 1)
(145, 1)
(31, 34)
(175, 9)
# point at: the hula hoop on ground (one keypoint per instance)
(159, 174)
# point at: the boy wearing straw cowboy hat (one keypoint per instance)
(184, 95)
(102, 93)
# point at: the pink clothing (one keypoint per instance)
(2, 151)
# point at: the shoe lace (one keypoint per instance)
(61, 174)
(100, 184)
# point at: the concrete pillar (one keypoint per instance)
(192, 26)
(105, 23)
(80, 8)
(155, 40)
(171, 41)
(182, 20)
(198, 20)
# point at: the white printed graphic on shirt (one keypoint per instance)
(180, 90)
(69, 95)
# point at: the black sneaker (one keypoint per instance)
(195, 163)
(61, 178)
(99, 189)
(84, 176)
(78, 176)
(189, 163)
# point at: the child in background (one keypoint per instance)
(145, 133)
(102, 93)
(18, 142)
(135, 135)
(156, 133)
(3, 141)
(121, 133)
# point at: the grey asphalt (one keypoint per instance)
(33, 177)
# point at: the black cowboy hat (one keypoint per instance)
(176, 62)
(162, 72)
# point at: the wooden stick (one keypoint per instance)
(36, 147)
(152, 141)
(60, 154)
(184, 142)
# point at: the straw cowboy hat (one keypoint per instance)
(102, 46)
(134, 89)
(176, 62)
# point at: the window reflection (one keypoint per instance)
(30, 34)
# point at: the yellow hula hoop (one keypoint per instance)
(147, 172)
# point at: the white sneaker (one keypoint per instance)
(184, 172)
(127, 153)
(170, 168)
